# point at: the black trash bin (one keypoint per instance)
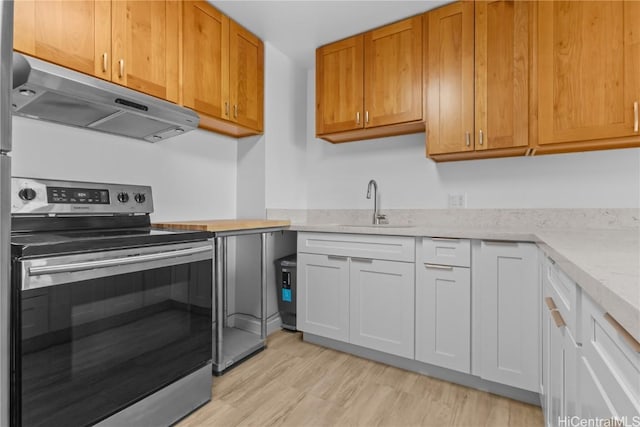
(287, 290)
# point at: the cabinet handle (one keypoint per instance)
(358, 117)
(499, 243)
(337, 257)
(105, 59)
(481, 137)
(366, 117)
(550, 304)
(555, 313)
(633, 343)
(121, 68)
(226, 108)
(445, 239)
(235, 111)
(557, 318)
(467, 136)
(635, 116)
(438, 267)
(367, 260)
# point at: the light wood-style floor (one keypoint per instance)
(294, 383)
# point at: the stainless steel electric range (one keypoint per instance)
(111, 318)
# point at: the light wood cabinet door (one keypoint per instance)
(393, 73)
(339, 86)
(382, 305)
(205, 66)
(506, 313)
(502, 74)
(145, 46)
(450, 94)
(588, 62)
(73, 34)
(323, 296)
(246, 77)
(443, 316)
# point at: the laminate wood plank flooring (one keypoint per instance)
(294, 383)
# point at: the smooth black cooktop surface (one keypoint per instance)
(28, 244)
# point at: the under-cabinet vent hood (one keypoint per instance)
(45, 91)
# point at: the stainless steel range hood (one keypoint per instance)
(45, 91)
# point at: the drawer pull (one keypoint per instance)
(550, 303)
(121, 68)
(105, 59)
(445, 239)
(367, 260)
(499, 243)
(438, 267)
(633, 343)
(557, 318)
(337, 257)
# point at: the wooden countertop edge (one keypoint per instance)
(220, 225)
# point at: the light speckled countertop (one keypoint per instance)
(604, 262)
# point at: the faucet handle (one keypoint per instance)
(382, 219)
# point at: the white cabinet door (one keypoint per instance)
(594, 402)
(443, 316)
(323, 295)
(561, 382)
(506, 313)
(382, 306)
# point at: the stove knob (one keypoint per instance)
(123, 197)
(140, 198)
(27, 194)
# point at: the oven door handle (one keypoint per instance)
(114, 262)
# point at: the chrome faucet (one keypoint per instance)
(377, 217)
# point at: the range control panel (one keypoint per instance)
(35, 196)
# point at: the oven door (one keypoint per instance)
(100, 331)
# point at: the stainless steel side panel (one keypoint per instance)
(5, 285)
(168, 405)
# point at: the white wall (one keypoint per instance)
(337, 175)
(193, 176)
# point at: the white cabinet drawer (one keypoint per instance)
(566, 296)
(445, 251)
(614, 362)
(391, 248)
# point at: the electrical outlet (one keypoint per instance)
(457, 200)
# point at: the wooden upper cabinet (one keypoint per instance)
(339, 86)
(223, 71)
(478, 81)
(502, 75)
(246, 77)
(393, 73)
(205, 68)
(588, 74)
(73, 34)
(450, 107)
(145, 43)
(371, 85)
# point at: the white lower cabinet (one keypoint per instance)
(323, 295)
(349, 294)
(382, 308)
(505, 313)
(443, 316)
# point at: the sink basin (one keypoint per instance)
(376, 225)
